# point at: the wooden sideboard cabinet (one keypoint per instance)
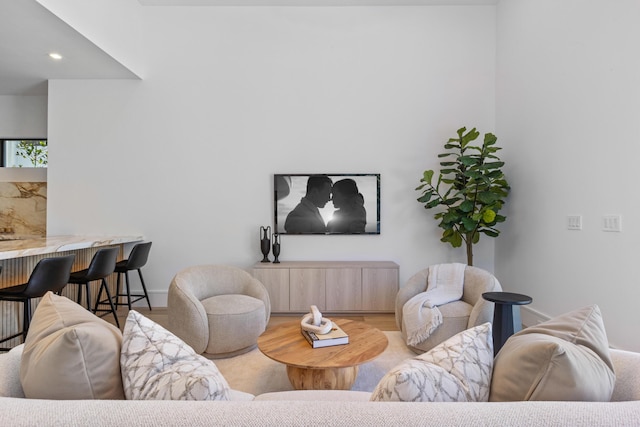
(334, 286)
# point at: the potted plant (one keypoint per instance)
(470, 190)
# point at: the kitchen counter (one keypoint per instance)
(20, 254)
(23, 247)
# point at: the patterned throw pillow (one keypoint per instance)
(157, 365)
(457, 370)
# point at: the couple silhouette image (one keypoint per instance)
(349, 216)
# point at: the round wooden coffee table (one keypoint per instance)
(327, 368)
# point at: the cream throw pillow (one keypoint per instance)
(70, 353)
(565, 358)
(457, 370)
(157, 365)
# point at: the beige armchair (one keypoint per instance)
(216, 309)
(471, 310)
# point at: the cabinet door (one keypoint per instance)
(307, 288)
(276, 280)
(344, 289)
(379, 288)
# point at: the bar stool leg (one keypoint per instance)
(144, 289)
(126, 277)
(118, 289)
(113, 308)
(26, 318)
(109, 299)
(88, 295)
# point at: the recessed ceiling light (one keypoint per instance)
(55, 56)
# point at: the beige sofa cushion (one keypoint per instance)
(70, 353)
(157, 365)
(317, 395)
(10, 373)
(565, 358)
(457, 370)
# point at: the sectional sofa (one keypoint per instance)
(322, 408)
(45, 360)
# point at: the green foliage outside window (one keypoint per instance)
(33, 151)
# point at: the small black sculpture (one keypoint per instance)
(276, 248)
(265, 242)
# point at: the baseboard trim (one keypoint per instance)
(157, 298)
(531, 317)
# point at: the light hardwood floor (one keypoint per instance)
(384, 322)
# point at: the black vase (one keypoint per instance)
(265, 243)
(276, 248)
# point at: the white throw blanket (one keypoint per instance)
(420, 315)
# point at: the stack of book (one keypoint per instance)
(336, 336)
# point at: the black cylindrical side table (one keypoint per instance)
(506, 315)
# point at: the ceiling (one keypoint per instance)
(315, 2)
(28, 33)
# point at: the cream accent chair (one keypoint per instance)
(470, 311)
(216, 309)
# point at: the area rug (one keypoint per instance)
(255, 373)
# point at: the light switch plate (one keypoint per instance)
(574, 222)
(612, 223)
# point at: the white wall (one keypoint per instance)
(568, 107)
(23, 117)
(233, 95)
(253, 91)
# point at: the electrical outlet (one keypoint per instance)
(612, 223)
(574, 222)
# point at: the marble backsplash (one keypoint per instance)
(23, 209)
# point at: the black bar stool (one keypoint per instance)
(50, 274)
(137, 259)
(102, 265)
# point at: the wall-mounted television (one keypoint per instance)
(346, 203)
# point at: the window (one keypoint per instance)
(29, 153)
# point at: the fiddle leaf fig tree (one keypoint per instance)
(470, 190)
